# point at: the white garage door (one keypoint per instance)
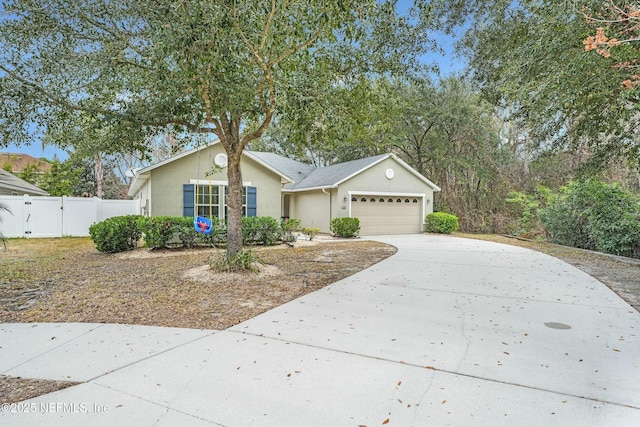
(387, 214)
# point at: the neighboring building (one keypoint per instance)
(11, 185)
(17, 163)
(385, 193)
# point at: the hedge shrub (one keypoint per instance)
(121, 233)
(441, 222)
(116, 234)
(160, 230)
(597, 216)
(345, 227)
(263, 230)
(218, 233)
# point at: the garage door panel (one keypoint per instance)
(392, 215)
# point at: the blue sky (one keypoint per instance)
(448, 64)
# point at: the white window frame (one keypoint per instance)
(222, 195)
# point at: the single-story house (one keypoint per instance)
(386, 194)
(11, 185)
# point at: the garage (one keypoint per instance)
(387, 214)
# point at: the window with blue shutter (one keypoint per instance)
(208, 205)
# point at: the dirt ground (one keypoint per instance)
(67, 280)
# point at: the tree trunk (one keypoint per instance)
(229, 135)
(234, 205)
(99, 171)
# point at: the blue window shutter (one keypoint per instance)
(252, 201)
(188, 200)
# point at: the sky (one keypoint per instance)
(448, 64)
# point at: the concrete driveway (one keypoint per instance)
(447, 332)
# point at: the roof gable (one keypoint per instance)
(334, 175)
(275, 163)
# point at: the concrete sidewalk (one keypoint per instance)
(446, 332)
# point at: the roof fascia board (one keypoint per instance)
(302, 190)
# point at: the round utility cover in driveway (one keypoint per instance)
(387, 214)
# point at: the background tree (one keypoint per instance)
(448, 133)
(332, 112)
(61, 180)
(528, 56)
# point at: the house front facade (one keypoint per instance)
(386, 194)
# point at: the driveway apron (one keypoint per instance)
(447, 331)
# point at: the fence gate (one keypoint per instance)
(43, 217)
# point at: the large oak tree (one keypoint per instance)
(139, 67)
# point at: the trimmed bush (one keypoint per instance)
(218, 233)
(116, 234)
(262, 230)
(345, 226)
(160, 230)
(441, 222)
(185, 231)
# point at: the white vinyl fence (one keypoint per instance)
(39, 216)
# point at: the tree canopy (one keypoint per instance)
(529, 56)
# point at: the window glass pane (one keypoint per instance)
(207, 200)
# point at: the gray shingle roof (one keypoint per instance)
(293, 169)
(10, 183)
(332, 175)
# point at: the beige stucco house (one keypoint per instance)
(385, 193)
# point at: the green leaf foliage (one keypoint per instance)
(528, 56)
(3, 208)
(345, 226)
(441, 222)
(111, 75)
(159, 231)
(526, 211)
(116, 234)
(263, 230)
(597, 216)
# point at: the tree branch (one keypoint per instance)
(53, 99)
(254, 51)
(267, 25)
